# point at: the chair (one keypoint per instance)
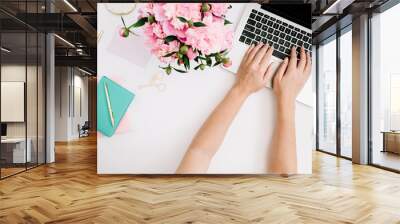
(84, 130)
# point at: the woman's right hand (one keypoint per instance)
(291, 77)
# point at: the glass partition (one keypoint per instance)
(31, 99)
(385, 90)
(346, 93)
(23, 89)
(13, 105)
(327, 96)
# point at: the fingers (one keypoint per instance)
(303, 60)
(260, 54)
(246, 55)
(308, 66)
(293, 58)
(281, 70)
(268, 74)
(266, 58)
(253, 52)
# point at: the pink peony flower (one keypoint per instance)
(214, 37)
(189, 11)
(146, 10)
(157, 30)
(159, 14)
(219, 9)
(160, 49)
(191, 54)
(170, 30)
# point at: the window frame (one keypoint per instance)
(334, 37)
(381, 9)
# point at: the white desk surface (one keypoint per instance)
(158, 126)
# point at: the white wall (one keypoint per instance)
(33, 127)
(70, 83)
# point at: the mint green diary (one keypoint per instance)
(120, 99)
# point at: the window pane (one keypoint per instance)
(386, 89)
(327, 97)
(14, 153)
(346, 93)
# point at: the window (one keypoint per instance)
(327, 96)
(346, 93)
(22, 78)
(385, 89)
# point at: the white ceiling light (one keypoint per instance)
(84, 71)
(5, 50)
(64, 40)
(70, 5)
(337, 7)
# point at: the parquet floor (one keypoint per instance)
(69, 191)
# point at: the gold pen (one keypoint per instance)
(109, 104)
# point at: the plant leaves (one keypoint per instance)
(226, 22)
(209, 61)
(196, 59)
(197, 67)
(169, 54)
(170, 38)
(198, 24)
(186, 62)
(179, 70)
(183, 20)
(139, 23)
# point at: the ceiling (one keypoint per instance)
(75, 21)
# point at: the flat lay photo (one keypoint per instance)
(119, 111)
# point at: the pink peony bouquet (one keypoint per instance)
(186, 33)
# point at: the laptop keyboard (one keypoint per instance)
(282, 36)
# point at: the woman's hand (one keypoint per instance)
(291, 77)
(255, 69)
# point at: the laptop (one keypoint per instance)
(281, 26)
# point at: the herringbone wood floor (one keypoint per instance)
(70, 191)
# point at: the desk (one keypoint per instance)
(160, 123)
(17, 150)
(391, 141)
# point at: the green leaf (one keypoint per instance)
(186, 62)
(197, 67)
(169, 54)
(209, 61)
(179, 70)
(139, 23)
(170, 38)
(183, 20)
(226, 22)
(196, 59)
(198, 24)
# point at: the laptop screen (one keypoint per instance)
(298, 13)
